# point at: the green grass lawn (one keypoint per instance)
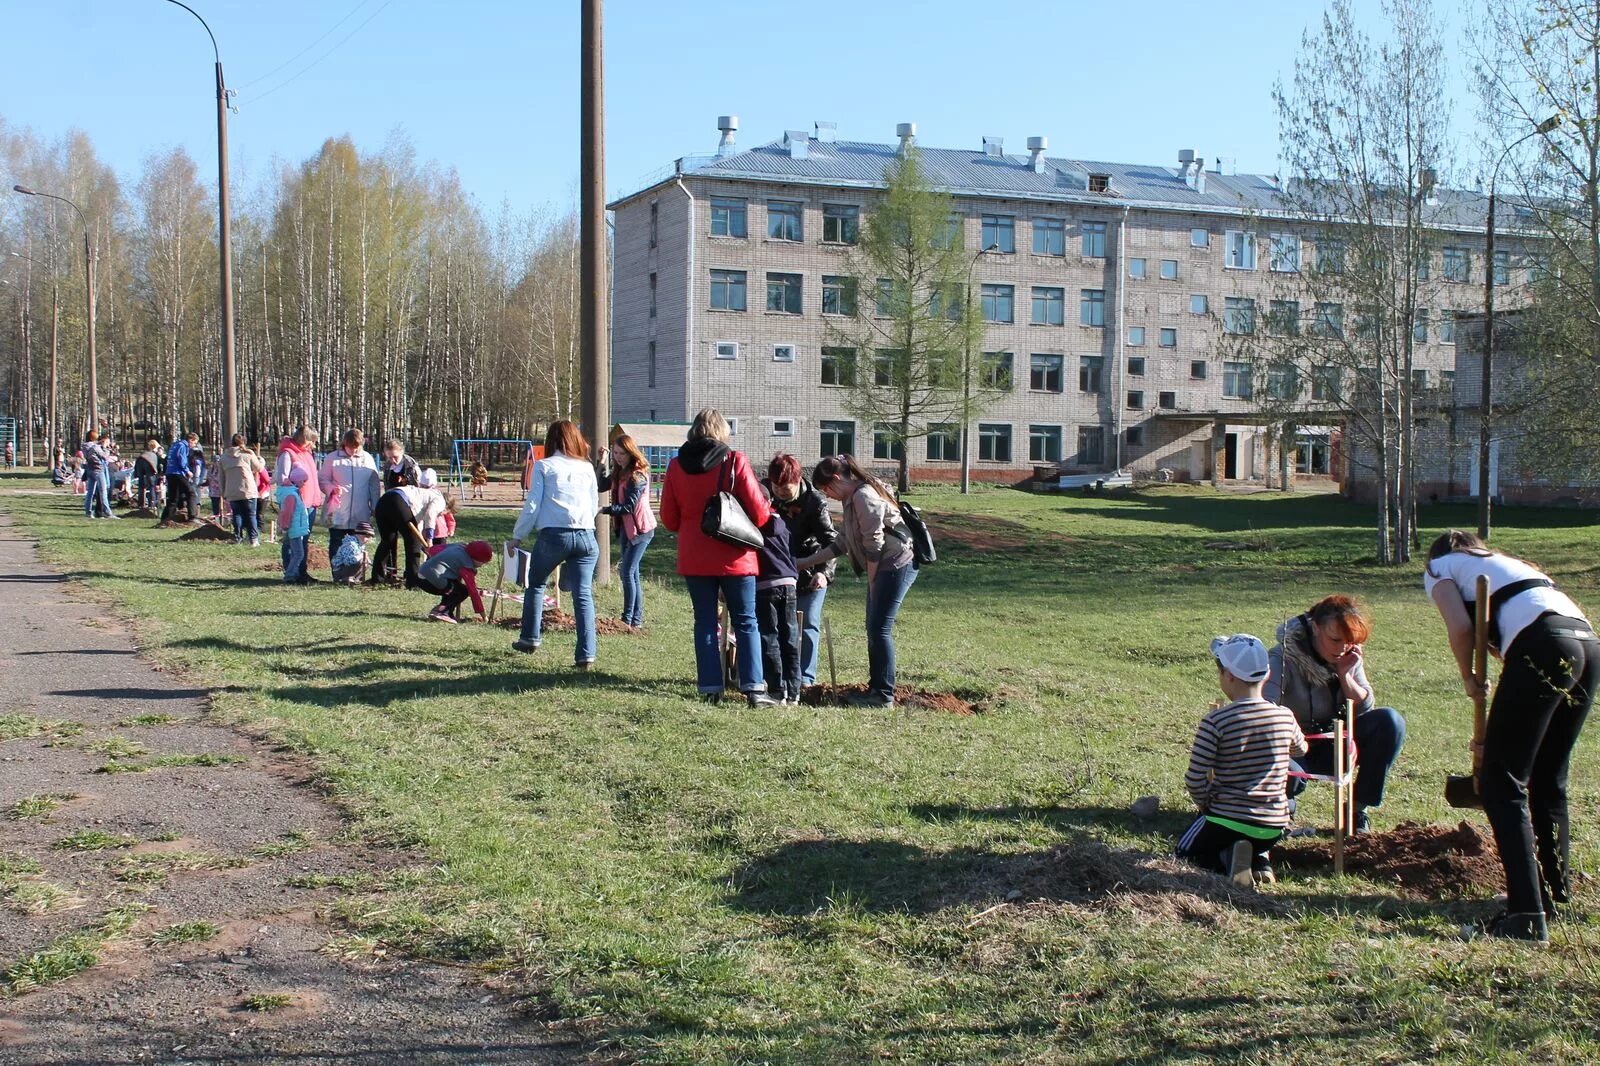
(714, 884)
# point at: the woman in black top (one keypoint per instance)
(805, 512)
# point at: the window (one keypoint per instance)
(1169, 270)
(1283, 317)
(1049, 236)
(1049, 306)
(783, 353)
(1419, 326)
(1329, 320)
(889, 298)
(951, 235)
(997, 303)
(1502, 268)
(1167, 401)
(1136, 336)
(1282, 382)
(733, 426)
(1092, 307)
(1236, 381)
(1419, 381)
(1447, 327)
(784, 220)
(1000, 233)
(994, 443)
(1240, 247)
(1094, 239)
(1325, 383)
(1538, 267)
(1136, 366)
(1447, 380)
(1136, 399)
(884, 444)
(1168, 338)
(652, 294)
(1198, 304)
(1099, 182)
(1457, 264)
(1424, 265)
(838, 438)
(783, 293)
(1367, 322)
(727, 349)
(1197, 369)
(1045, 372)
(944, 443)
(1199, 238)
(1044, 444)
(997, 370)
(884, 362)
(1285, 253)
(727, 290)
(650, 356)
(1330, 256)
(838, 295)
(1134, 436)
(838, 367)
(947, 301)
(1136, 269)
(841, 223)
(1239, 315)
(783, 427)
(1091, 445)
(655, 220)
(1091, 373)
(727, 217)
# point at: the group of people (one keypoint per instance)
(1253, 752)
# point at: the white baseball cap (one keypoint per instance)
(1243, 656)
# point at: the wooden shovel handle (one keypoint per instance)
(1480, 664)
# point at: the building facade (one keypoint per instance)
(1106, 290)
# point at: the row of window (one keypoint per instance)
(943, 442)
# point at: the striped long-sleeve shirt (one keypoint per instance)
(1240, 762)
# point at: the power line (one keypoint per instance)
(336, 45)
(324, 36)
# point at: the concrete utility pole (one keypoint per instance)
(230, 394)
(88, 291)
(596, 338)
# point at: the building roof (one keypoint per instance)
(857, 164)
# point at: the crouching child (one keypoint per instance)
(452, 571)
(1238, 769)
(350, 562)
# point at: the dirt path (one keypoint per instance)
(242, 843)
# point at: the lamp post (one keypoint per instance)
(230, 396)
(596, 340)
(88, 290)
(27, 348)
(1485, 394)
(966, 382)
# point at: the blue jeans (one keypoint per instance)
(97, 494)
(740, 592)
(147, 491)
(628, 568)
(810, 606)
(244, 520)
(884, 596)
(293, 554)
(576, 548)
(1380, 734)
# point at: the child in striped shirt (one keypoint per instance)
(1238, 769)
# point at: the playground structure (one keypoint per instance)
(8, 436)
(499, 454)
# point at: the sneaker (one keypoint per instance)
(711, 697)
(1361, 824)
(1240, 859)
(760, 699)
(1530, 927)
(585, 666)
(440, 616)
(524, 645)
(1261, 871)
(868, 699)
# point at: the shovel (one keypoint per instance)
(1461, 790)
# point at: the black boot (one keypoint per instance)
(1528, 926)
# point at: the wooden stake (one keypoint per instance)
(1338, 798)
(833, 673)
(499, 583)
(1350, 767)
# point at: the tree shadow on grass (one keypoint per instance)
(133, 693)
(1076, 820)
(482, 683)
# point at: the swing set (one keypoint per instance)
(492, 452)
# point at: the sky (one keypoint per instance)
(490, 87)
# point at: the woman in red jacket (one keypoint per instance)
(704, 465)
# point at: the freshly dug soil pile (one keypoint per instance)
(207, 531)
(561, 622)
(316, 558)
(143, 512)
(1423, 861)
(905, 696)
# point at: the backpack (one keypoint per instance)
(917, 535)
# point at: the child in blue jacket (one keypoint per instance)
(294, 525)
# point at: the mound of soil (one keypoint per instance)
(561, 622)
(208, 531)
(316, 558)
(143, 512)
(1423, 861)
(904, 695)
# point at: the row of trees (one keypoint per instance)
(370, 290)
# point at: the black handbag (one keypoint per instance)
(724, 518)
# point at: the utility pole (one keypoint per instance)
(596, 340)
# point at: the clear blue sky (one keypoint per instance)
(491, 86)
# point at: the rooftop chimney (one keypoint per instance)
(1036, 150)
(994, 147)
(907, 132)
(1193, 169)
(727, 124)
(827, 132)
(798, 142)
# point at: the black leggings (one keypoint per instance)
(394, 520)
(1543, 696)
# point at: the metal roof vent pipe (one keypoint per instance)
(1186, 166)
(994, 147)
(727, 124)
(826, 132)
(907, 132)
(798, 143)
(1200, 176)
(1036, 150)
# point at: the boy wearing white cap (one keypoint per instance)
(1238, 769)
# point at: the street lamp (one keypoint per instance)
(1485, 393)
(230, 401)
(966, 380)
(88, 289)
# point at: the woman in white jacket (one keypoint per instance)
(563, 500)
(351, 487)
